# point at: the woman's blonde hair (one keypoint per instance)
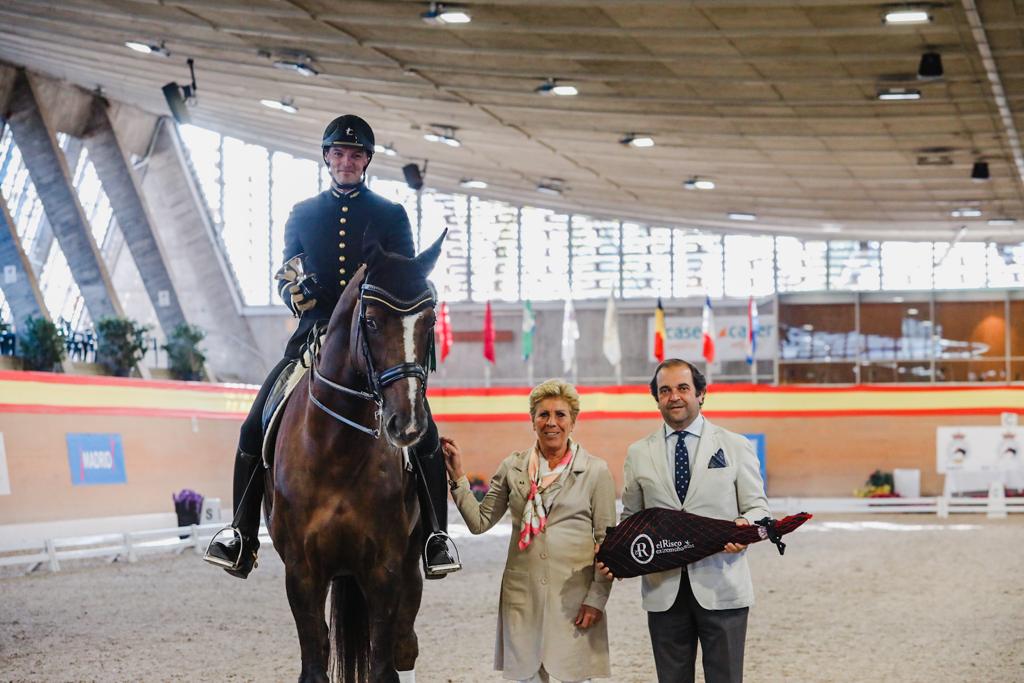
(555, 388)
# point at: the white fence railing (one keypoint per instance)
(131, 545)
(112, 547)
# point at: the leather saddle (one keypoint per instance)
(277, 399)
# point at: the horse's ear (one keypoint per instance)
(372, 251)
(429, 256)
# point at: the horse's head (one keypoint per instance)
(394, 328)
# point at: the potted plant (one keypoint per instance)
(42, 345)
(184, 359)
(120, 344)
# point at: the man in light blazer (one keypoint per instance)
(714, 473)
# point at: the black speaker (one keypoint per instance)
(413, 176)
(176, 103)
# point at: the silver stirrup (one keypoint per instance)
(207, 557)
(441, 570)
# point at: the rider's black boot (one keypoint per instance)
(237, 553)
(439, 560)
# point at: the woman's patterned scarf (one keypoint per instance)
(535, 516)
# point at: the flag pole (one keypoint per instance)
(529, 371)
(487, 374)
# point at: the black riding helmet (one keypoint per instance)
(348, 131)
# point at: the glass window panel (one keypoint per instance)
(801, 265)
(698, 265)
(854, 266)
(595, 257)
(545, 254)
(400, 193)
(92, 198)
(204, 153)
(1017, 330)
(292, 180)
(495, 250)
(646, 261)
(960, 266)
(749, 262)
(970, 329)
(906, 265)
(60, 292)
(1005, 265)
(896, 331)
(440, 211)
(246, 230)
(823, 332)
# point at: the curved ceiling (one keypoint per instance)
(773, 100)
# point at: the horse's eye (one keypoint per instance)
(371, 324)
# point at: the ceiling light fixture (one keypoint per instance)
(637, 140)
(551, 186)
(697, 183)
(930, 67)
(305, 67)
(1002, 222)
(903, 16)
(553, 87)
(441, 14)
(979, 171)
(473, 184)
(898, 94)
(386, 150)
(965, 212)
(442, 133)
(148, 48)
(284, 104)
(831, 227)
(741, 216)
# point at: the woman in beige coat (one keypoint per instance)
(562, 500)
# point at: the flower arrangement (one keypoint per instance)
(478, 486)
(878, 485)
(188, 504)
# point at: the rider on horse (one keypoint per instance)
(324, 243)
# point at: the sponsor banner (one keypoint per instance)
(96, 459)
(5, 479)
(979, 449)
(684, 338)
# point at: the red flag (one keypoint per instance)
(443, 331)
(488, 334)
(659, 332)
(708, 331)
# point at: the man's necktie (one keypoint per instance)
(682, 466)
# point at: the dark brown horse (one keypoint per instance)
(342, 502)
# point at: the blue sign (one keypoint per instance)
(96, 459)
(758, 442)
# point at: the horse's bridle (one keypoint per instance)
(378, 380)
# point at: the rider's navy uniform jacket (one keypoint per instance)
(332, 229)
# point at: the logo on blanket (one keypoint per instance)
(643, 549)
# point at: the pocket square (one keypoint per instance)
(717, 460)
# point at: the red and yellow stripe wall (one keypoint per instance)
(820, 441)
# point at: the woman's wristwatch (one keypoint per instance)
(453, 483)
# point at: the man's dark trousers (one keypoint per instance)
(675, 632)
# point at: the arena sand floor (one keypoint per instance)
(876, 598)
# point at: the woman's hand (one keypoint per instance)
(587, 616)
(452, 458)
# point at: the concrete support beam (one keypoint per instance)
(40, 250)
(21, 288)
(35, 137)
(133, 217)
(209, 293)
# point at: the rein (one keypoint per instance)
(378, 381)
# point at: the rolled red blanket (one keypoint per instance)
(657, 539)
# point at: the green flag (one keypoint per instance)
(529, 326)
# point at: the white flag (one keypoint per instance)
(612, 347)
(570, 333)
